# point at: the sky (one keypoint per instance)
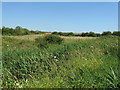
(61, 16)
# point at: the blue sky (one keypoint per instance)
(61, 16)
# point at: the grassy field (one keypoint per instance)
(79, 62)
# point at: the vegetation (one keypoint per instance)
(117, 33)
(18, 31)
(23, 31)
(107, 33)
(53, 39)
(88, 34)
(42, 42)
(74, 63)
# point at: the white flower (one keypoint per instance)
(91, 46)
(7, 45)
(20, 86)
(26, 80)
(55, 57)
(17, 84)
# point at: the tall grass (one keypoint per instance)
(78, 64)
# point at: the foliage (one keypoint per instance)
(117, 33)
(41, 43)
(92, 34)
(23, 31)
(106, 33)
(53, 39)
(63, 34)
(18, 31)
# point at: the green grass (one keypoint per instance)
(77, 63)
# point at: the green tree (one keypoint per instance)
(92, 34)
(117, 33)
(71, 34)
(106, 33)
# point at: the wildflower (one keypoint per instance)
(7, 45)
(55, 57)
(26, 80)
(20, 86)
(17, 84)
(91, 46)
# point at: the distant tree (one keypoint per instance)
(60, 33)
(65, 34)
(54, 33)
(92, 34)
(106, 33)
(70, 34)
(98, 35)
(18, 28)
(117, 33)
(26, 31)
(77, 35)
(84, 34)
(7, 31)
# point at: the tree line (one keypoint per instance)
(88, 34)
(18, 31)
(23, 31)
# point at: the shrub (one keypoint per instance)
(117, 33)
(60, 33)
(84, 34)
(41, 43)
(77, 35)
(54, 33)
(53, 39)
(92, 34)
(98, 35)
(106, 33)
(71, 34)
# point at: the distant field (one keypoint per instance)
(78, 62)
(32, 37)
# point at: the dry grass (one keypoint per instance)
(26, 37)
(32, 37)
(71, 37)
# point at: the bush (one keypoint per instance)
(71, 34)
(55, 33)
(53, 39)
(98, 35)
(117, 33)
(84, 34)
(41, 43)
(106, 33)
(91, 34)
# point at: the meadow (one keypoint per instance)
(78, 62)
